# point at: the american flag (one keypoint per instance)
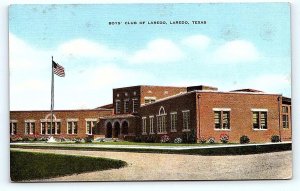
(58, 69)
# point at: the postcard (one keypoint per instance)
(150, 92)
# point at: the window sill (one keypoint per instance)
(173, 131)
(186, 130)
(259, 129)
(152, 133)
(222, 129)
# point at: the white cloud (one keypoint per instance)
(237, 51)
(198, 42)
(86, 48)
(158, 51)
(22, 56)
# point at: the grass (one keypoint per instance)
(31, 166)
(235, 150)
(148, 144)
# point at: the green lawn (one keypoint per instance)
(30, 166)
(147, 144)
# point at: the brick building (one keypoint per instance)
(153, 111)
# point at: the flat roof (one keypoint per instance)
(209, 91)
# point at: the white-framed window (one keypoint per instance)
(144, 119)
(126, 106)
(222, 118)
(29, 127)
(151, 122)
(72, 126)
(13, 127)
(149, 100)
(135, 104)
(90, 124)
(118, 106)
(46, 127)
(260, 119)
(126, 94)
(173, 121)
(285, 117)
(161, 121)
(186, 120)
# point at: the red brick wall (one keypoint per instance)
(21, 116)
(158, 92)
(176, 104)
(240, 115)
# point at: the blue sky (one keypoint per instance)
(241, 46)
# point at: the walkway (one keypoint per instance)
(152, 166)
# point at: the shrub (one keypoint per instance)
(275, 139)
(138, 139)
(178, 140)
(88, 139)
(211, 140)
(244, 139)
(165, 139)
(189, 137)
(150, 139)
(224, 138)
(77, 140)
(202, 140)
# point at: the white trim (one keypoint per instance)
(72, 119)
(183, 111)
(259, 129)
(222, 129)
(186, 130)
(174, 112)
(258, 109)
(164, 111)
(221, 109)
(144, 117)
(93, 123)
(146, 97)
(29, 120)
(151, 116)
(49, 120)
(91, 119)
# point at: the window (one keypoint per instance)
(222, 118)
(151, 124)
(72, 127)
(149, 100)
(90, 124)
(161, 121)
(135, 104)
(29, 128)
(173, 121)
(13, 127)
(126, 94)
(126, 106)
(144, 125)
(285, 117)
(46, 128)
(118, 106)
(186, 120)
(259, 120)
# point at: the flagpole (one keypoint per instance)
(52, 95)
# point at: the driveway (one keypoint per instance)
(153, 166)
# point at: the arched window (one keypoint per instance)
(162, 111)
(161, 120)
